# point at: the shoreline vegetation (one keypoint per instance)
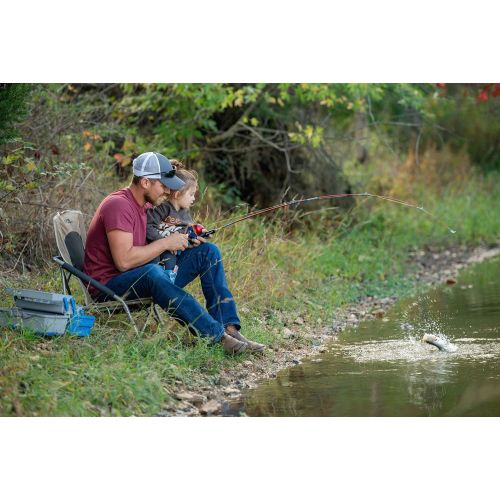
(298, 276)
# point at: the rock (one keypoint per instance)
(231, 391)
(322, 349)
(299, 321)
(184, 406)
(211, 407)
(189, 397)
(451, 281)
(247, 363)
(288, 334)
(379, 313)
(184, 396)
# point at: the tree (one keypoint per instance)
(13, 108)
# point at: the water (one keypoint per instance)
(381, 367)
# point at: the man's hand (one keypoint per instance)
(176, 241)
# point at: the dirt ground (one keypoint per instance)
(303, 340)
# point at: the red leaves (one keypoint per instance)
(483, 91)
(483, 96)
(488, 90)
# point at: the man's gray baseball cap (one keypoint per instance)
(156, 166)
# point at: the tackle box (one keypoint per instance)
(80, 324)
(46, 313)
(39, 322)
(47, 302)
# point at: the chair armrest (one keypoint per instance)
(86, 278)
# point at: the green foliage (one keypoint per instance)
(242, 132)
(13, 108)
(466, 123)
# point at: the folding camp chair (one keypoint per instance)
(71, 236)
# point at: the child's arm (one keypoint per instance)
(155, 218)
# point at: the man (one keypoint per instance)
(118, 256)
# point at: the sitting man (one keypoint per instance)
(118, 256)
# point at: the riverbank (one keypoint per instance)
(433, 268)
(165, 372)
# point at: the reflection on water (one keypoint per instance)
(383, 368)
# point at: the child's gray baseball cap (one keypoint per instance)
(156, 166)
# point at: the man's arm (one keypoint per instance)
(126, 256)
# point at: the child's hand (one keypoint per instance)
(198, 241)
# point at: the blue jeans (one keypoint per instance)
(204, 261)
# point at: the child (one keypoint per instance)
(173, 215)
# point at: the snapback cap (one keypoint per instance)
(156, 166)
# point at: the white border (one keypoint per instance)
(386, 458)
(228, 41)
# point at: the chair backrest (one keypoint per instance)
(71, 236)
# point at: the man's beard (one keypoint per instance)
(158, 201)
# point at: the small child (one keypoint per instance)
(173, 216)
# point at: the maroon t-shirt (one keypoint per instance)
(119, 210)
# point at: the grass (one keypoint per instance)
(322, 264)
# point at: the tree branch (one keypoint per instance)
(233, 129)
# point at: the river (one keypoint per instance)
(382, 368)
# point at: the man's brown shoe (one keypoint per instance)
(232, 345)
(251, 345)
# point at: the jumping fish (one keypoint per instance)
(441, 344)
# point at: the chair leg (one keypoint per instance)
(157, 315)
(127, 310)
(63, 279)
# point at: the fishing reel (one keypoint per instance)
(196, 230)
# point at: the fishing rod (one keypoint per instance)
(199, 230)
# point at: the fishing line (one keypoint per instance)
(324, 197)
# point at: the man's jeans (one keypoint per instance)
(205, 260)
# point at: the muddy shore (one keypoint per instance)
(303, 339)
